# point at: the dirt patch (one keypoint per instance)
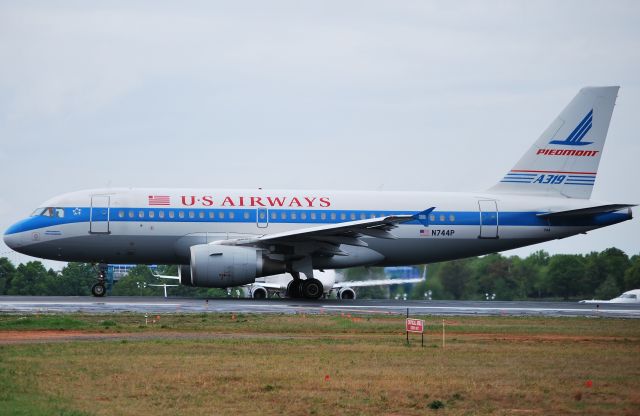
(538, 337)
(17, 337)
(26, 337)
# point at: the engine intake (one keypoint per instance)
(347, 293)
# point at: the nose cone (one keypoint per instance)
(14, 236)
(13, 241)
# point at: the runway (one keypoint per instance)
(156, 305)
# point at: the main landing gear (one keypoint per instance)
(99, 289)
(309, 288)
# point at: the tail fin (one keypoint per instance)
(564, 160)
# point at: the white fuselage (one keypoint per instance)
(160, 225)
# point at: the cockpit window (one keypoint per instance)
(37, 212)
(49, 212)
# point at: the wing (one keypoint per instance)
(349, 232)
(381, 282)
(164, 276)
(274, 286)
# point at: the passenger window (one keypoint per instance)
(452, 217)
(212, 215)
(140, 214)
(172, 214)
(221, 215)
(192, 214)
(246, 215)
(343, 216)
(152, 214)
(323, 216)
(441, 217)
(372, 215)
(161, 214)
(274, 215)
(352, 216)
(181, 214)
(432, 217)
(201, 215)
(131, 214)
(363, 216)
(294, 215)
(232, 215)
(333, 215)
(121, 214)
(313, 215)
(283, 215)
(303, 215)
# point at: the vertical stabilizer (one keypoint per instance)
(564, 160)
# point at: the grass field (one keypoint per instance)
(217, 364)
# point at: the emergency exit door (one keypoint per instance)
(488, 219)
(99, 215)
(262, 217)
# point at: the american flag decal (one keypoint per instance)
(159, 200)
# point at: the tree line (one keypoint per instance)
(601, 275)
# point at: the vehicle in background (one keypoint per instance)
(631, 296)
(281, 285)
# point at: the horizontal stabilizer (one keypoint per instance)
(601, 209)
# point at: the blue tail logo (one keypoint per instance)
(576, 136)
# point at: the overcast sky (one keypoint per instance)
(365, 95)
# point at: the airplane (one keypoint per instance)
(280, 284)
(631, 296)
(229, 237)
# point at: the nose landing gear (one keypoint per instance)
(99, 289)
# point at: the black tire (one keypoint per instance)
(294, 289)
(98, 290)
(312, 289)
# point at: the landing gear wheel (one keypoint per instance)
(98, 290)
(312, 289)
(294, 289)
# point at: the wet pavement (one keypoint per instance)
(72, 304)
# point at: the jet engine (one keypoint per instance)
(258, 292)
(223, 266)
(346, 293)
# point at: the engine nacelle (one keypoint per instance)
(259, 292)
(184, 274)
(223, 266)
(346, 293)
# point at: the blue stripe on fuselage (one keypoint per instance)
(299, 216)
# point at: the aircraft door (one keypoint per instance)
(262, 217)
(99, 215)
(488, 219)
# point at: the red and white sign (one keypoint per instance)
(415, 325)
